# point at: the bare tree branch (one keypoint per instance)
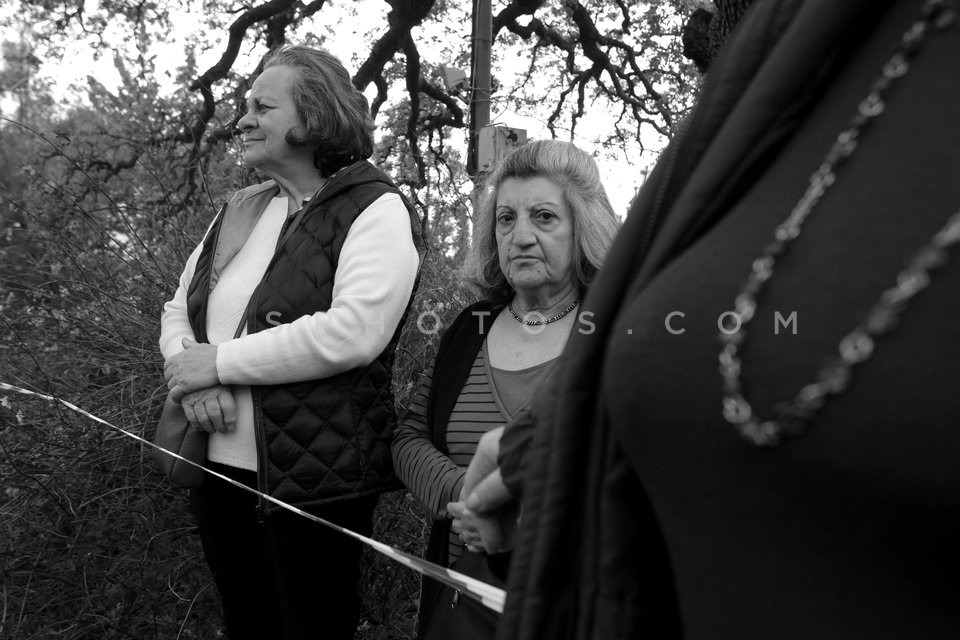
(508, 16)
(620, 76)
(544, 33)
(403, 17)
(277, 16)
(413, 91)
(456, 118)
(625, 12)
(381, 84)
(237, 31)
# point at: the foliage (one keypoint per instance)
(94, 544)
(608, 74)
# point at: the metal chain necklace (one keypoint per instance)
(791, 418)
(545, 321)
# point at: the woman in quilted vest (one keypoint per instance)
(279, 343)
(543, 229)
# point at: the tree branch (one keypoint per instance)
(438, 94)
(236, 33)
(269, 11)
(403, 17)
(508, 16)
(413, 92)
(381, 84)
(614, 66)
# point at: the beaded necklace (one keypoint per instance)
(540, 323)
(791, 418)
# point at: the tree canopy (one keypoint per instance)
(613, 76)
(557, 62)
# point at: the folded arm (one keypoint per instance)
(372, 286)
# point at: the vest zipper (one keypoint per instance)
(261, 458)
(262, 508)
(201, 335)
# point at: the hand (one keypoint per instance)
(486, 508)
(483, 488)
(490, 495)
(192, 369)
(488, 517)
(467, 525)
(212, 409)
(484, 461)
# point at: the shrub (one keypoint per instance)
(93, 542)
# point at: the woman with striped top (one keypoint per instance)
(543, 227)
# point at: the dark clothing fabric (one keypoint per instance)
(514, 446)
(281, 576)
(455, 356)
(645, 514)
(329, 439)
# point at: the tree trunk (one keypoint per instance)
(707, 29)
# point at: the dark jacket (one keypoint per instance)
(317, 440)
(753, 99)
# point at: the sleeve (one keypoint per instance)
(372, 286)
(174, 322)
(431, 476)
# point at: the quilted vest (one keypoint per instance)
(318, 440)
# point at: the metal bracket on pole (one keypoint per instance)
(494, 143)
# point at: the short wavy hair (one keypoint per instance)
(336, 114)
(594, 222)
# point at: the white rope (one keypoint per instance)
(491, 597)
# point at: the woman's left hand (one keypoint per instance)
(192, 369)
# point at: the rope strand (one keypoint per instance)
(490, 596)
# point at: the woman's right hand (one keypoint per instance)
(487, 514)
(492, 527)
(212, 409)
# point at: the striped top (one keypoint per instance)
(435, 478)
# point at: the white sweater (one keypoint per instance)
(372, 285)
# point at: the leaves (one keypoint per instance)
(93, 543)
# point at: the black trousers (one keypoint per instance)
(281, 577)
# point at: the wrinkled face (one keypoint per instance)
(271, 113)
(534, 233)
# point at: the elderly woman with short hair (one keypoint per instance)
(279, 342)
(543, 227)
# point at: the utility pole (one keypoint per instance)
(479, 80)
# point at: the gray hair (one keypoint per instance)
(336, 114)
(594, 223)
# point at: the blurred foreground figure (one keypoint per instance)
(760, 440)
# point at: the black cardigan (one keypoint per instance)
(455, 357)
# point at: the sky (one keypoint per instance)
(622, 175)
